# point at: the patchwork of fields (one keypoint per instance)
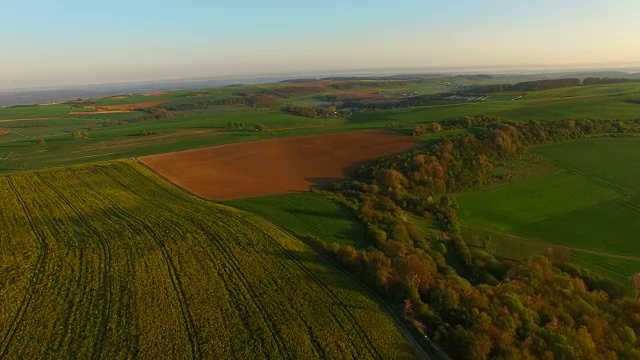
(48, 142)
(109, 261)
(589, 203)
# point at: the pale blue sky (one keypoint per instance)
(84, 42)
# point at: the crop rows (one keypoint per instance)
(109, 261)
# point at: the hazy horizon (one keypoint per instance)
(74, 43)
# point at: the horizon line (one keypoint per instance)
(390, 71)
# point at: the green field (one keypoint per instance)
(309, 214)
(29, 112)
(109, 261)
(588, 202)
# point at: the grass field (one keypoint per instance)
(309, 214)
(109, 261)
(589, 202)
(28, 112)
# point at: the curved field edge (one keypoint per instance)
(136, 268)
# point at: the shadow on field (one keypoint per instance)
(320, 182)
(324, 271)
(314, 213)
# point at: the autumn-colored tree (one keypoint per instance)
(635, 282)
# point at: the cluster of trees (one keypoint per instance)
(477, 306)
(541, 85)
(155, 113)
(113, 123)
(523, 86)
(288, 91)
(235, 125)
(150, 132)
(264, 129)
(80, 134)
(205, 104)
(422, 129)
(263, 101)
(313, 111)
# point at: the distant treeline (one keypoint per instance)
(253, 100)
(204, 104)
(602, 81)
(474, 305)
(392, 77)
(541, 85)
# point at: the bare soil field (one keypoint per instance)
(158, 93)
(274, 166)
(3, 132)
(129, 107)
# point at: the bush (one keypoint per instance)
(79, 134)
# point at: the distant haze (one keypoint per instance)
(60, 43)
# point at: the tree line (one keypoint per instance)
(472, 304)
(537, 85)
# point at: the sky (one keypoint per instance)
(68, 42)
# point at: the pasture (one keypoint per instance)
(110, 261)
(588, 204)
(35, 111)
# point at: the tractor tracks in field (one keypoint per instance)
(236, 267)
(189, 324)
(191, 198)
(105, 250)
(35, 277)
(625, 194)
(419, 351)
(252, 297)
(233, 267)
(360, 332)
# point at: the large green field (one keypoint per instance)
(29, 112)
(110, 261)
(588, 203)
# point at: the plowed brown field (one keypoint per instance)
(274, 166)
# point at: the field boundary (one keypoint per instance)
(536, 241)
(422, 354)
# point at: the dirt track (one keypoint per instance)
(275, 166)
